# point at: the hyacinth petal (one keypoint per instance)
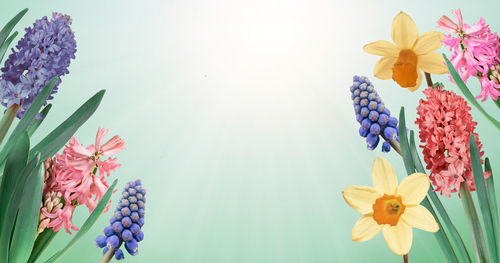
(112, 146)
(383, 68)
(383, 176)
(432, 63)
(382, 48)
(99, 138)
(365, 229)
(413, 188)
(419, 217)
(419, 81)
(404, 31)
(398, 237)
(360, 198)
(428, 42)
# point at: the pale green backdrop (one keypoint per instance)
(237, 117)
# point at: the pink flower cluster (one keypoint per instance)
(475, 51)
(79, 174)
(445, 126)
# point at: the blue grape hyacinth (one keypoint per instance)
(374, 117)
(44, 52)
(126, 223)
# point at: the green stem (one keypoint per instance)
(108, 256)
(7, 119)
(477, 235)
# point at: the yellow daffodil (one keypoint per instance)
(391, 209)
(410, 53)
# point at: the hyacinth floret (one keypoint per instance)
(44, 52)
(374, 117)
(126, 223)
(445, 125)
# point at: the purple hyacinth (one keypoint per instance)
(126, 223)
(374, 117)
(44, 52)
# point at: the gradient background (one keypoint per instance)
(237, 117)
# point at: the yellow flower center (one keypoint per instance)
(404, 71)
(387, 210)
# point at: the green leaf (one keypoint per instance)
(87, 225)
(26, 224)
(482, 196)
(61, 135)
(36, 123)
(490, 185)
(461, 85)
(6, 44)
(42, 242)
(6, 120)
(13, 206)
(477, 235)
(28, 118)
(403, 141)
(446, 223)
(5, 32)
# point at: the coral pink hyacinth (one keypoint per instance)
(475, 50)
(79, 174)
(445, 126)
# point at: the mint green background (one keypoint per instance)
(237, 118)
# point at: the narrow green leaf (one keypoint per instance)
(5, 32)
(87, 225)
(6, 120)
(42, 242)
(403, 141)
(454, 237)
(6, 44)
(482, 196)
(36, 123)
(477, 235)
(490, 185)
(24, 233)
(28, 118)
(13, 206)
(461, 85)
(61, 135)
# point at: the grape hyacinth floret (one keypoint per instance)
(374, 117)
(126, 223)
(44, 52)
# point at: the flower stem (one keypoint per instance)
(7, 119)
(428, 79)
(477, 235)
(108, 256)
(395, 145)
(406, 259)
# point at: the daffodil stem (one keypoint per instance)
(406, 259)
(428, 79)
(108, 256)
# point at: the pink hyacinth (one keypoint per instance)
(445, 126)
(79, 173)
(475, 50)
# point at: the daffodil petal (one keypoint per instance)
(419, 217)
(398, 237)
(413, 189)
(432, 63)
(419, 81)
(383, 176)
(382, 48)
(361, 198)
(383, 68)
(404, 31)
(365, 229)
(427, 42)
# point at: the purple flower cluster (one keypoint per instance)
(371, 113)
(44, 52)
(126, 222)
